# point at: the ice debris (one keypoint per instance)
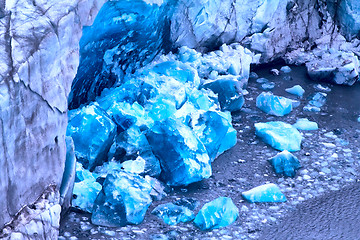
(274, 105)
(218, 213)
(93, 132)
(305, 124)
(296, 90)
(185, 160)
(268, 86)
(229, 93)
(279, 135)
(173, 214)
(285, 163)
(86, 189)
(285, 69)
(334, 66)
(318, 100)
(265, 193)
(124, 199)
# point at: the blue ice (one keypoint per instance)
(279, 135)
(305, 124)
(274, 105)
(285, 163)
(264, 193)
(296, 90)
(218, 213)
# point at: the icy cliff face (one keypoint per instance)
(39, 44)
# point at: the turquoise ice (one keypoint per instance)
(296, 90)
(279, 135)
(305, 124)
(264, 193)
(274, 105)
(173, 214)
(93, 132)
(218, 213)
(124, 199)
(183, 157)
(285, 163)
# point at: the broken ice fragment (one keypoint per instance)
(173, 214)
(184, 158)
(296, 90)
(134, 166)
(305, 124)
(264, 193)
(318, 100)
(285, 69)
(218, 213)
(229, 93)
(285, 163)
(334, 66)
(275, 72)
(268, 86)
(279, 135)
(274, 105)
(85, 189)
(322, 88)
(124, 199)
(93, 132)
(211, 128)
(131, 144)
(262, 80)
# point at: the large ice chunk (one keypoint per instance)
(124, 36)
(130, 145)
(173, 214)
(182, 155)
(85, 189)
(279, 135)
(285, 163)
(218, 213)
(93, 132)
(229, 93)
(264, 193)
(274, 105)
(124, 199)
(335, 67)
(212, 129)
(305, 124)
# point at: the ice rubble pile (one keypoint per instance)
(169, 120)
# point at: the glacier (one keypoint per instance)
(41, 55)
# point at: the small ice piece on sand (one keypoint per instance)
(275, 72)
(268, 86)
(305, 125)
(322, 88)
(274, 105)
(173, 214)
(285, 69)
(279, 135)
(285, 163)
(296, 90)
(218, 213)
(264, 193)
(262, 80)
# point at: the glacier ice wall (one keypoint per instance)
(38, 61)
(39, 42)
